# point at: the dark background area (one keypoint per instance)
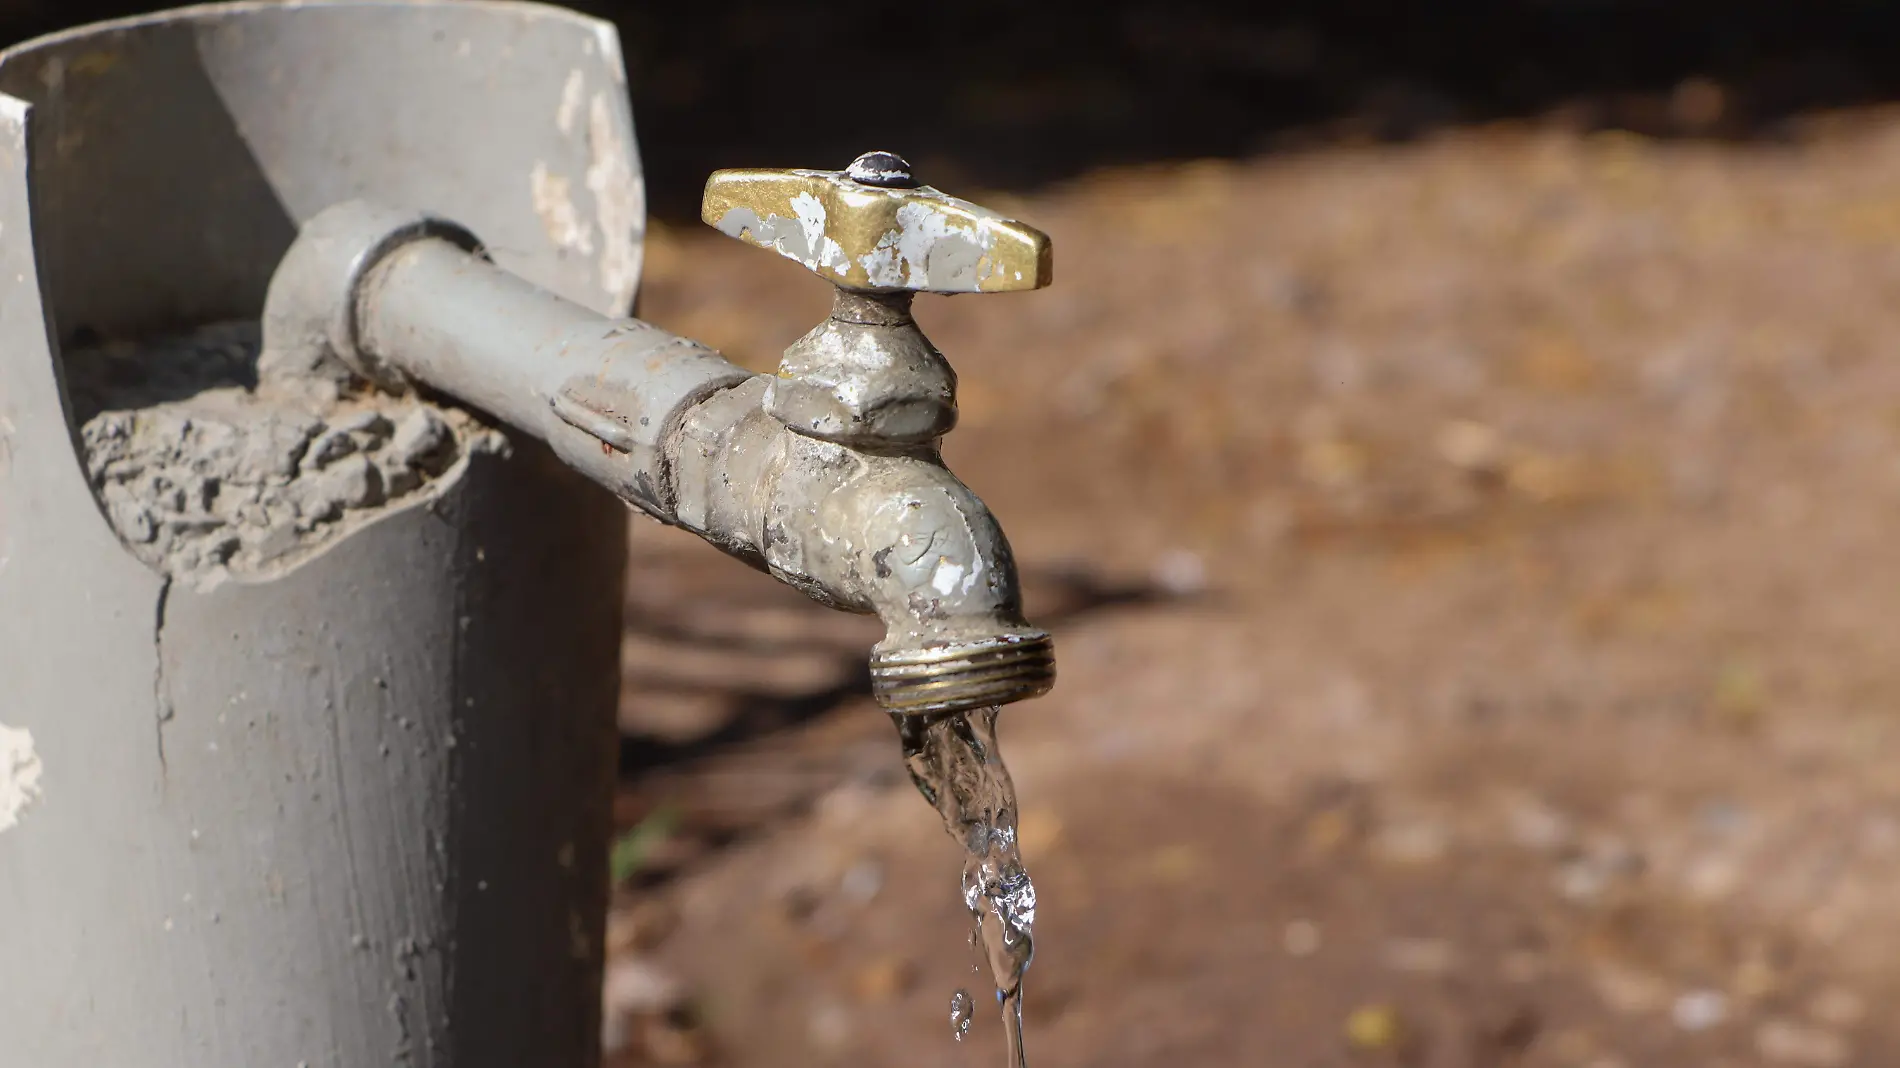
(1016, 96)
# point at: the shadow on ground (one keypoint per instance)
(731, 675)
(762, 701)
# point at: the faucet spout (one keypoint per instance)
(832, 482)
(886, 531)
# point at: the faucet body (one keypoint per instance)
(832, 482)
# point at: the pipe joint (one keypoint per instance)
(862, 515)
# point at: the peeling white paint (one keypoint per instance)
(929, 249)
(619, 199)
(571, 96)
(13, 120)
(933, 243)
(792, 238)
(554, 206)
(880, 264)
(820, 250)
(19, 775)
(944, 579)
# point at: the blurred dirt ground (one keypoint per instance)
(1473, 568)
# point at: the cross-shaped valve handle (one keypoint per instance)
(867, 376)
(873, 228)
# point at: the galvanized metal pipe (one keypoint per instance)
(674, 429)
(602, 393)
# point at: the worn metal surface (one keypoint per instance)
(354, 813)
(877, 236)
(602, 393)
(392, 294)
(866, 397)
(866, 376)
(887, 531)
(674, 429)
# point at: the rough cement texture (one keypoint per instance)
(204, 473)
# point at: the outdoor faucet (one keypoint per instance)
(825, 474)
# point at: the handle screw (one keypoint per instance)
(885, 170)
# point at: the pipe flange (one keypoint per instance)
(312, 311)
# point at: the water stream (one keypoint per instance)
(954, 761)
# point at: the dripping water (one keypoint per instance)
(954, 761)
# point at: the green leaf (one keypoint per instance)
(633, 849)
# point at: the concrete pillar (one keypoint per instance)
(352, 811)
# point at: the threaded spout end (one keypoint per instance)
(965, 675)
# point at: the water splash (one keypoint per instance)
(954, 761)
(961, 1010)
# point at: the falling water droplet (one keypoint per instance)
(961, 1010)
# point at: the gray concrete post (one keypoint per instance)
(351, 810)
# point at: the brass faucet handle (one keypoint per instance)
(873, 227)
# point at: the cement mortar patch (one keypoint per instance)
(206, 474)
